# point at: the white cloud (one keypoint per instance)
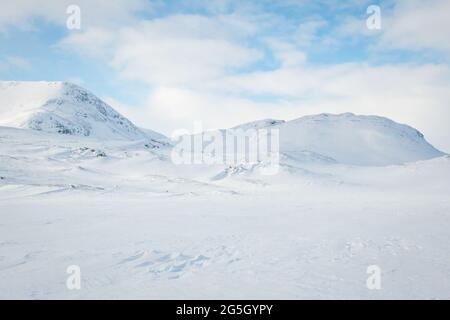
(287, 54)
(180, 49)
(94, 42)
(418, 25)
(154, 56)
(22, 14)
(410, 25)
(306, 32)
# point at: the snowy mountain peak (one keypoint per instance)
(64, 108)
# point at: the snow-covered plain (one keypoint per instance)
(139, 226)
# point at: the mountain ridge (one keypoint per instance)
(68, 109)
(64, 108)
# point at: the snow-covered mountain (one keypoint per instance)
(65, 108)
(85, 190)
(349, 139)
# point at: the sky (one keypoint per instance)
(169, 64)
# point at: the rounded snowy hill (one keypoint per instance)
(65, 108)
(350, 139)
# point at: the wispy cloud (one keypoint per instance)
(418, 25)
(26, 14)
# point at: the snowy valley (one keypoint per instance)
(81, 185)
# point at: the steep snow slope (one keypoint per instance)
(350, 139)
(64, 108)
